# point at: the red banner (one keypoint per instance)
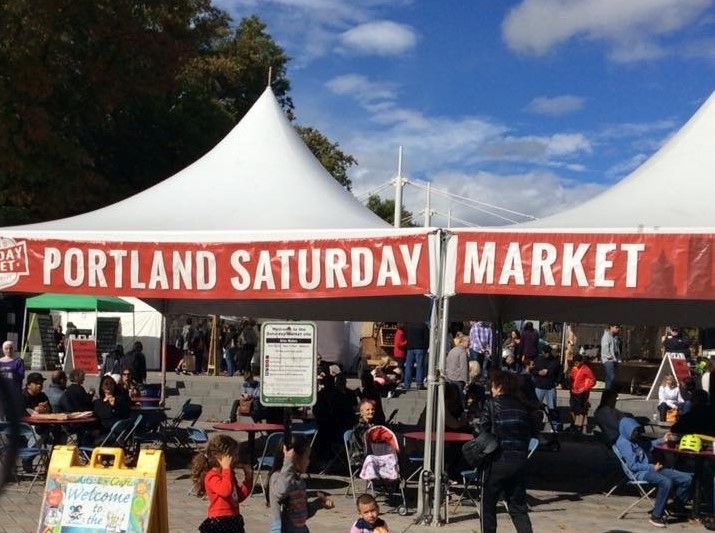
(384, 266)
(673, 266)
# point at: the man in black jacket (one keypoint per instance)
(509, 419)
(417, 336)
(546, 373)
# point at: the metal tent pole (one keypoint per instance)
(439, 433)
(23, 343)
(398, 191)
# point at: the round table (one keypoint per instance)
(35, 421)
(146, 399)
(147, 408)
(449, 436)
(699, 457)
(251, 428)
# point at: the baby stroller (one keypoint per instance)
(381, 467)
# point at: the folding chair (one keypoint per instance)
(347, 437)
(32, 458)
(118, 435)
(631, 481)
(268, 457)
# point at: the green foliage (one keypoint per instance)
(329, 154)
(100, 99)
(385, 209)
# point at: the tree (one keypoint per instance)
(329, 154)
(385, 209)
(102, 99)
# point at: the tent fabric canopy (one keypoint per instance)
(672, 189)
(261, 176)
(78, 302)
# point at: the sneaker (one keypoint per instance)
(657, 521)
(677, 511)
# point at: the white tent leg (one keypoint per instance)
(23, 342)
(429, 414)
(439, 426)
(163, 353)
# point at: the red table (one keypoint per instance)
(146, 399)
(697, 477)
(449, 436)
(34, 421)
(251, 428)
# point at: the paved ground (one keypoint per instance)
(564, 493)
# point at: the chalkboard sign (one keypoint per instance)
(107, 335)
(50, 354)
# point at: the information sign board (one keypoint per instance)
(289, 356)
(83, 355)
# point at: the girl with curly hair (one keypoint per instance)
(212, 473)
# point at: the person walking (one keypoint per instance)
(456, 369)
(399, 350)
(546, 373)
(611, 353)
(508, 417)
(480, 345)
(582, 381)
(529, 343)
(417, 336)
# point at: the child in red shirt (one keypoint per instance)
(212, 474)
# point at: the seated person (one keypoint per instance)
(112, 405)
(636, 450)
(33, 397)
(365, 421)
(455, 417)
(58, 384)
(75, 398)
(699, 419)
(607, 416)
(669, 397)
(387, 375)
(510, 364)
(248, 398)
(687, 389)
(370, 391)
(127, 385)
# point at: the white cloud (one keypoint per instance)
(631, 28)
(555, 106)
(380, 37)
(364, 90)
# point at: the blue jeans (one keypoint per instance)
(666, 480)
(414, 358)
(547, 397)
(610, 368)
(228, 357)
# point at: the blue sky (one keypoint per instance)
(532, 105)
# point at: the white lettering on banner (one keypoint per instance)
(96, 262)
(572, 264)
(52, 259)
(181, 270)
(361, 260)
(303, 269)
(264, 272)
(603, 264)
(243, 280)
(157, 276)
(411, 260)
(74, 277)
(284, 256)
(632, 252)
(118, 256)
(482, 271)
(546, 259)
(388, 268)
(335, 261)
(512, 267)
(205, 270)
(541, 264)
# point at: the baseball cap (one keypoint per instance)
(35, 377)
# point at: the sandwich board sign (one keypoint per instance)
(82, 354)
(289, 355)
(94, 498)
(674, 366)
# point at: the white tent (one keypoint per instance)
(663, 206)
(259, 186)
(143, 325)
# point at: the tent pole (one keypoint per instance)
(439, 426)
(134, 326)
(398, 191)
(23, 342)
(429, 412)
(162, 397)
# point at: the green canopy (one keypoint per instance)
(79, 302)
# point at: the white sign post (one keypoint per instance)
(289, 358)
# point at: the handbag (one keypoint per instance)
(483, 447)
(244, 406)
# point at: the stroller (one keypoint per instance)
(381, 466)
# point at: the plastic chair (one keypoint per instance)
(32, 458)
(268, 457)
(347, 437)
(631, 481)
(118, 435)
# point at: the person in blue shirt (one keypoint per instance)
(636, 451)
